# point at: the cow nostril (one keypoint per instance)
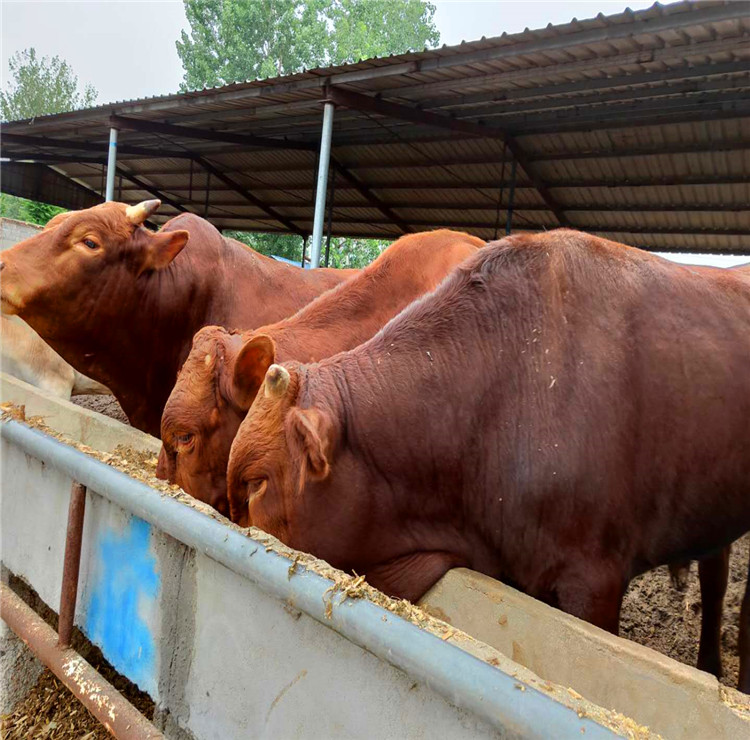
(2, 266)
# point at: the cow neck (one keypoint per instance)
(217, 281)
(399, 403)
(341, 318)
(256, 290)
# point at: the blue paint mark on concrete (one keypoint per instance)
(125, 580)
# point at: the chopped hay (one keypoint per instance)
(50, 711)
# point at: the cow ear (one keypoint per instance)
(312, 431)
(163, 247)
(253, 360)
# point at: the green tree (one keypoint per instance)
(40, 86)
(39, 213)
(31, 211)
(37, 87)
(237, 40)
(347, 253)
(344, 253)
(288, 246)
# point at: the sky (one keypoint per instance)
(126, 48)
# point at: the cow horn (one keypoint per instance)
(277, 381)
(139, 213)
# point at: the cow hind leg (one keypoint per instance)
(679, 573)
(593, 593)
(714, 574)
(744, 640)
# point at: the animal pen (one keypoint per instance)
(633, 127)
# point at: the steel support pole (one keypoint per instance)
(72, 563)
(102, 699)
(322, 184)
(331, 198)
(511, 193)
(111, 164)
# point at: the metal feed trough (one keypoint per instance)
(234, 635)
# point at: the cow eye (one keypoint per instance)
(184, 439)
(256, 486)
(91, 244)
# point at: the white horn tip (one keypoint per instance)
(139, 213)
(277, 381)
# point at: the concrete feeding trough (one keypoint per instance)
(233, 634)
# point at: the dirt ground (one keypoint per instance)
(50, 711)
(106, 405)
(657, 615)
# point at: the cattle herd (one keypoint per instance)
(554, 410)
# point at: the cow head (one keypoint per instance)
(280, 447)
(214, 390)
(58, 279)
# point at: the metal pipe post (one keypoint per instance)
(511, 193)
(322, 184)
(102, 699)
(72, 563)
(330, 217)
(111, 164)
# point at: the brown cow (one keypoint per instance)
(562, 413)
(713, 573)
(121, 303)
(224, 370)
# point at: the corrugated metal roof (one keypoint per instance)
(635, 126)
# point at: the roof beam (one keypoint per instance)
(650, 113)
(309, 166)
(245, 193)
(598, 64)
(151, 189)
(168, 129)
(51, 158)
(699, 179)
(487, 206)
(587, 208)
(707, 147)
(122, 172)
(381, 107)
(580, 101)
(403, 112)
(586, 85)
(122, 149)
(368, 195)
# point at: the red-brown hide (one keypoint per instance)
(223, 372)
(563, 413)
(121, 303)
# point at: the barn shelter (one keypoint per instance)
(633, 126)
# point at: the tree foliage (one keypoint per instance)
(344, 253)
(40, 86)
(288, 246)
(238, 40)
(31, 211)
(37, 87)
